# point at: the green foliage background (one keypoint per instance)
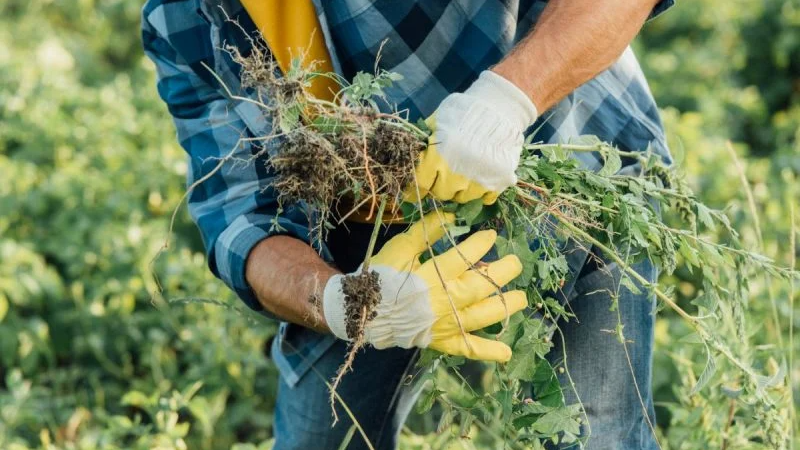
(90, 171)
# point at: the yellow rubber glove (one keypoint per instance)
(476, 142)
(419, 300)
(435, 177)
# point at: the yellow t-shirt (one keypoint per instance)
(291, 29)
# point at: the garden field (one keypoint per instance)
(90, 172)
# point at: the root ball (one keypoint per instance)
(362, 293)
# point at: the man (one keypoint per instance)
(484, 71)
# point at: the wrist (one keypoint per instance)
(333, 308)
(513, 103)
(288, 277)
(316, 296)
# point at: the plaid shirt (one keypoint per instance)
(439, 47)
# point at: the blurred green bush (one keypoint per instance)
(91, 171)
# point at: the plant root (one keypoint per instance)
(362, 293)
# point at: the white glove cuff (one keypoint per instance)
(404, 316)
(509, 99)
(333, 307)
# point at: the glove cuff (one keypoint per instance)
(508, 98)
(333, 307)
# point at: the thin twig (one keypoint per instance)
(751, 203)
(792, 264)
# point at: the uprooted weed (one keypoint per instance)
(332, 153)
(329, 152)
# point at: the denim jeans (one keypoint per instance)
(612, 381)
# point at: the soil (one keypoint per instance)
(362, 293)
(308, 168)
(319, 168)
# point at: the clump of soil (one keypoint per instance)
(395, 152)
(308, 168)
(355, 164)
(319, 168)
(260, 72)
(362, 293)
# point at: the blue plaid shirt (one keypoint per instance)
(439, 48)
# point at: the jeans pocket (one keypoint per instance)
(295, 339)
(603, 279)
(296, 349)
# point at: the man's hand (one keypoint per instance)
(476, 142)
(419, 301)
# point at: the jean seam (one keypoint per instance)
(395, 396)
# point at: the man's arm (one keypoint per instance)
(478, 134)
(288, 278)
(235, 210)
(572, 42)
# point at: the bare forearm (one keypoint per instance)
(572, 42)
(287, 276)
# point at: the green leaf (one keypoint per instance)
(458, 230)
(612, 163)
(588, 140)
(557, 421)
(3, 306)
(689, 253)
(546, 387)
(630, 285)
(529, 350)
(466, 423)
(135, 398)
(427, 400)
(707, 374)
(704, 214)
(410, 212)
(394, 76)
(763, 383)
(522, 365)
(556, 154)
(427, 357)
(709, 299)
(529, 412)
(470, 210)
(348, 437)
(453, 360)
(519, 246)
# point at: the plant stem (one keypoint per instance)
(792, 265)
(600, 148)
(692, 320)
(374, 237)
(613, 255)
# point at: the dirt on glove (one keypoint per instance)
(362, 293)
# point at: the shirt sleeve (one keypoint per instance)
(660, 7)
(234, 205)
